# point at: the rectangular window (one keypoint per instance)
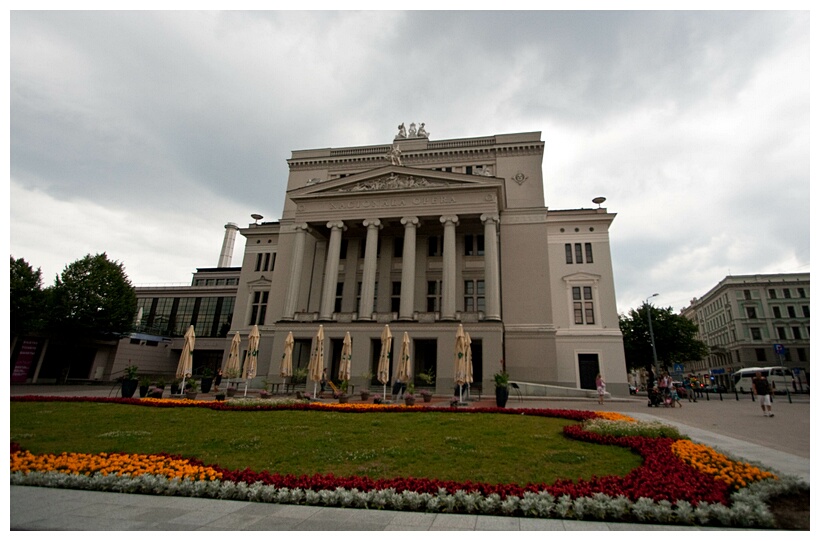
(579, 254)
(337, 305)
(747, 294)
(751, 313)
(258, 263)
(801, 355)
(781, 333)
(342, 250)
(805, 311)
(184, 316)
(791, 311)
(588, 248)
(583, 308)
(258, 307)
(473, 245)
(433, 295)
(568, 250)
(398, 247)
(756, 333)
(760, 353)
(801, 292)
(434, 246)
(776, 311)
(267, 264)
(796, 332)
(787, 293)
(395, 296)
(772, 293)
(474, 296)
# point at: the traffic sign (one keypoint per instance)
(779, 349)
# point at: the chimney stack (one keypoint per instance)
(226, 255)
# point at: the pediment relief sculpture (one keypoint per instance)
(392, 182)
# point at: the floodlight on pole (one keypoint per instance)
(652, 334)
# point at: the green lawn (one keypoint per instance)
(452, 446)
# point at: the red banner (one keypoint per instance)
(22, 366)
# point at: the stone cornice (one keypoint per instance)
(455, 150)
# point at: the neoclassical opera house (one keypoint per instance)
(423, 235)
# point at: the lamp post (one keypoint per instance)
(652, 334)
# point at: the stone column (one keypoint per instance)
(492, 289)
(448, 274)
(295, 281)
(369, 270)
(331, 270)
(408, 268)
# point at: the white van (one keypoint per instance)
(779, 378)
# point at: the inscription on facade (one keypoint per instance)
(420, 201)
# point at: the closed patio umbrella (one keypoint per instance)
(317, 359)
(469, 348)
(232, 364)
(249, 371)
(460, 360)
(345, 359)
(186, 358)
(383, 371)
(286, 368)
(405, 371)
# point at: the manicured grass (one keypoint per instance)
(487, 448)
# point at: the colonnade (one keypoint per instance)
(449, 286)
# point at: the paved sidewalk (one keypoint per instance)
(731, 426)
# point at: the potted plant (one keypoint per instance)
(502, 390)
(129, 381)
(365, 392)
(156, 392)
(206, 380)
(231, 374)
(220, 396)
(409, 397)
(160, 384)
(426, 395)
(191, 387)
(265, 394)
(342, 394)
(145, 383)
(175, 386)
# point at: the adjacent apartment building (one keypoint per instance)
(753, 321)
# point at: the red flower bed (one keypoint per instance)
(663, 476)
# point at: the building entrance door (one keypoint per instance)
(424, 359)
(588, 369)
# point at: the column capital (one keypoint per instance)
(451, 219)
(489, 218)
(372, 222)
(410, 221)
(336, 225)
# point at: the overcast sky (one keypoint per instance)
(141, 134)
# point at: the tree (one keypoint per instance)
(93, 298)
(27, 306)
(675, 338)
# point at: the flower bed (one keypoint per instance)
(679, 482)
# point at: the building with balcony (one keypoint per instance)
(753, 321)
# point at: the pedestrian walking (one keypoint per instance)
(600, 385)
(763, 393)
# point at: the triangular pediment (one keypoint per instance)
(581, 277)
(393, 178)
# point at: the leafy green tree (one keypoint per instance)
(675, 338)
(27, 300)
(93, 298)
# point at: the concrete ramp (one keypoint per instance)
(550, 391)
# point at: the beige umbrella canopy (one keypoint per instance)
(405, 371)
(186, 358)
(286, 368)
(317, 358)
(231, 368)
(469, 361)
(249, 371)
(346, 356)
(383, 371)
(460, 360)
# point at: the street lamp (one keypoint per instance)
(652, 334)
